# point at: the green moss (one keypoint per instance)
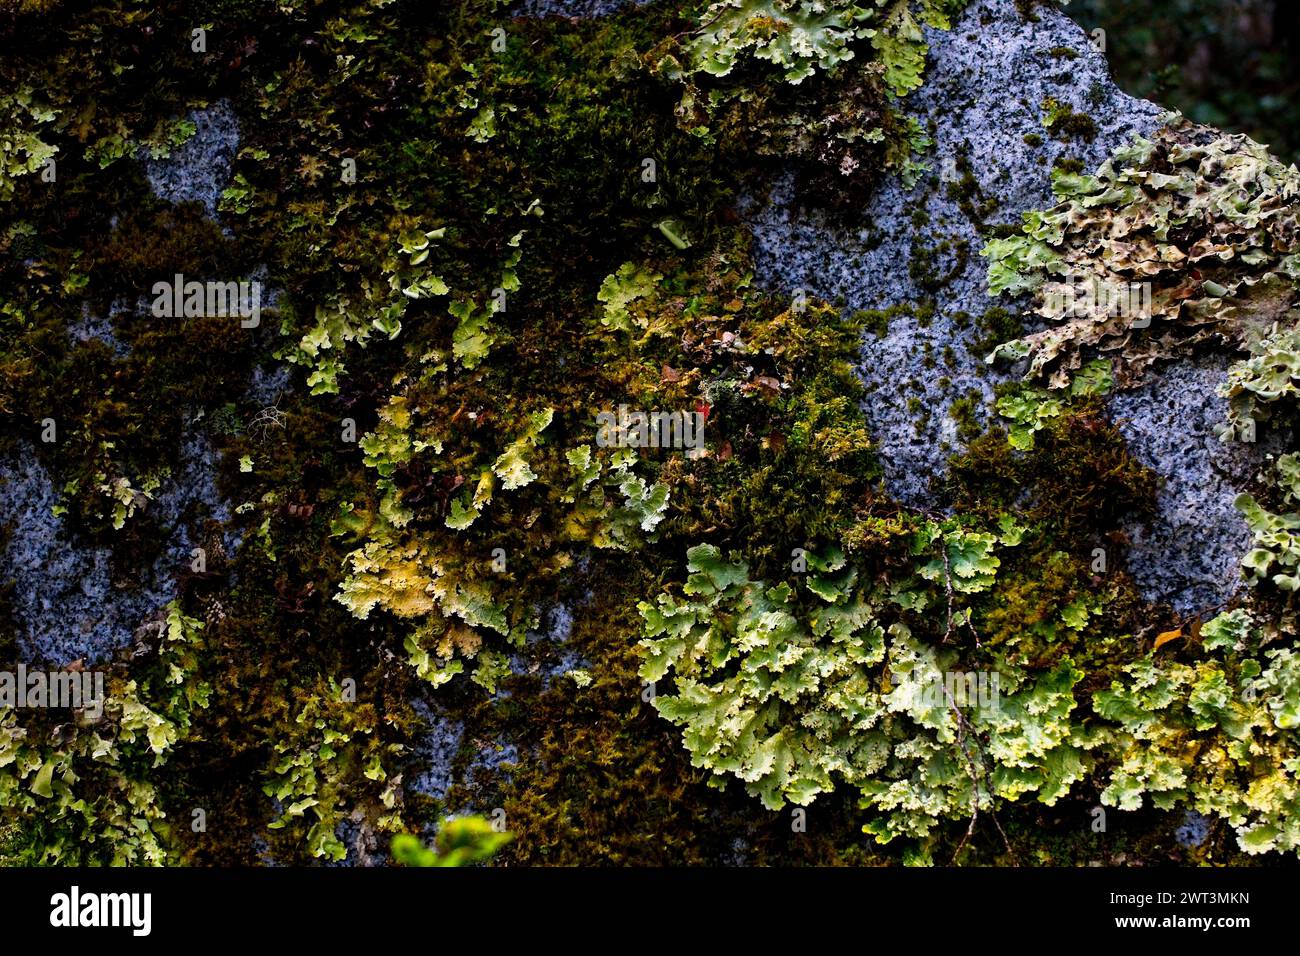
(1070, 165)
(1026, 8)
(965, 412)
(872, 321)
(1064, 123)
(1078, 480)
(968, 194)
(924, 265)
(876, 321)
(995, 326)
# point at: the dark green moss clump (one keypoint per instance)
(1078, 481)
(968, 195)
(995, 326)
(1065, 124)
(926, 260)
(965, 412)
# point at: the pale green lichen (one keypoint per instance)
(22, 151)
(803, 36)
(1029, 408)
(793, 688)
(1218, 735)
(1263, 384)
(1275, 556)
(1186, 237)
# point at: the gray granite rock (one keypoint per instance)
(986, 82)
(546, 651)
(68, 602)
(268, 383)
(1194, 831)
(64, 605)
(570, 8)
(96, 328)
(200, 169)
(1189, 553)
(435, 753)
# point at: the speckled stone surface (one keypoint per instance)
(1189, 553)
(987, 79)
(435, 752)
(983, 93)
(200, 169)
(570, 8)
(68, 603)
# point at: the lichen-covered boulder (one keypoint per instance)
(668, 420)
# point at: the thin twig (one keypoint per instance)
(947, 582)
(962, 728)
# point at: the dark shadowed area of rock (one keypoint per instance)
(68, 601)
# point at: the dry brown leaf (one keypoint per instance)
(1166, 637)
